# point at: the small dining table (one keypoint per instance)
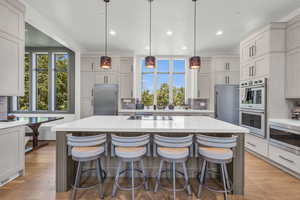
(34, 124)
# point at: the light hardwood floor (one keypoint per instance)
(263, 182)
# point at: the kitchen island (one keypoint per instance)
(179, 125)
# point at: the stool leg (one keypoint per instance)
(174, 180)
(144, 175)
(158, 176)
(101, 170)
(202, 174)
(132, 180)
(100, 188)
(186, 176)
(227, 177)
(115, 187)
(77, 180)
(224, 181)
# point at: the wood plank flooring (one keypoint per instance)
(263, 182)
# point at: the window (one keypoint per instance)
(49, 82)
(165, 84)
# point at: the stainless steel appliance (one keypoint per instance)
(255, 121)
(253, 94)
(227, 103)
(253, 109)
(296, 113)
(198, 104)
(106, 99)
(128, 103)
(285, 137)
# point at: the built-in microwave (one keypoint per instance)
(253, 94)
(285, 138)
(255, 121)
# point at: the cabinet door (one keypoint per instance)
(126, 64)
(204, 85)
(220, 78)
(87, 107)
(234, 78)
(12, 20)
(11, 152)
(88, 64)
(261, 44)
(87, 84)
(126, 85)
(106, 78)
(246, 51)
(261, 67)
(12, 66)
(245, 72)
(292, 75)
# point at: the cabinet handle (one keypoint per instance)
(198, 93)
(250, 51)
(249, 71)
(92, 92)
(254, 71)
(254, 50)
(253, 145)
(131, 93)
(285, 159)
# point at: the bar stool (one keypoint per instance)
(173, 150)
(217, 150)
(130, 150)
(87, 149)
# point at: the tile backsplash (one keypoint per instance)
(3, 108)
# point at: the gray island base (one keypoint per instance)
(178, 126)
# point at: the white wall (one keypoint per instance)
(51, 29)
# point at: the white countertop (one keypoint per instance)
(4, 125)
(287, 123)
(179, 124)
(166, 111)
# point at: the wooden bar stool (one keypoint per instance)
(130, 150)
(217, 150)
(173, 150)
(88, 149)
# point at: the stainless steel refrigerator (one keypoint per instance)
(227, 103)
(106, 99)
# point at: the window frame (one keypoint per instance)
(171, 74)
(51, 51)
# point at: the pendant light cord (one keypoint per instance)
(150, 35)
(195, 24)
(106, 28)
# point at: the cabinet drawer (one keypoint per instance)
(284, 158)
(256, 144)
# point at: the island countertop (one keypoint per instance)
(180, 124)
(166, 111)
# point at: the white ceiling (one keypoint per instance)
(83, 20)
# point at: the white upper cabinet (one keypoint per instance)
(204, 86)
(12, 48)
(293, 59)
(256, 49)
(126, 85)
(126, 65)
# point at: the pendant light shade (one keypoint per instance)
(105, 61)
(150, 60)
(195, 61)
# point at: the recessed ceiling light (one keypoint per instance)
(220, 32)
(169, 33)
(112, 32)
(184, 48)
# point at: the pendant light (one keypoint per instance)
(150, 60)
(195, 61)
(105, 61)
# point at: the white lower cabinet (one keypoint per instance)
(256, 144)
(12, 155)
(285, 158)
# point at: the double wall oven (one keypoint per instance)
(253, 98)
